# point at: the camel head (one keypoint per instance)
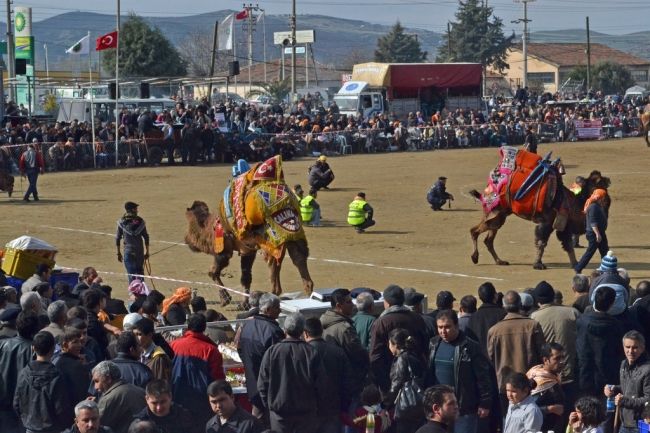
(199, 212)
(200, 235)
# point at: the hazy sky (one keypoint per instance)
(606, 16)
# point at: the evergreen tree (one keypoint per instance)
(607, 77)
(398, 47)
(477, 37)
(144, 52)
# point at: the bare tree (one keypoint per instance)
(196, 51)
(354, 57)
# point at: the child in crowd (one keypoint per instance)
(371, 412)
(588, 416)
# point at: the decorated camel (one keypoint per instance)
(258, 211)
(530, 187)
(645, 124)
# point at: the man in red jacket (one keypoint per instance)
(197, 363)
(31, 163)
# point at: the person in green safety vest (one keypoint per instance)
(360, 213)
(310, 209)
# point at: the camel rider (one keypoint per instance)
(133, 229)
(310, 209)
(360, 213)
(438, 195)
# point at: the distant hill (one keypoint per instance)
(338, 41)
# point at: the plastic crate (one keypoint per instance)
(644, 427)
(21, 264)
(71, 278)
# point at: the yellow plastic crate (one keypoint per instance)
(21, 264)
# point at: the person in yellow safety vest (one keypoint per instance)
(310, 209)
(360, 213)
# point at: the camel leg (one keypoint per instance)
(221, 261)
(489, 243)
(246, 279)
(475, 232)
(566, 238)
(299, 254)
(542, 234)
(275, 266)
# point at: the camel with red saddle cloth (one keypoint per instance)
(529, 186)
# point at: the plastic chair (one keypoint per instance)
(344, 146)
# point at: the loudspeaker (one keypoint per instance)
(21, 66)
(233, 68)
(144, 91)
(112, 91)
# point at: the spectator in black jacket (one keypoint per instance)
(599, 344)
(128, 361)
(257, 335)
(291, 381)
(41, 399)
(339, 375)
(229, 417)
(15, 354)
(168, 416)
(487, 315)
(75, 373)
(86, 419)
(457, 361)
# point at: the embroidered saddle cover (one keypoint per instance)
(261, 207)
(517, 168)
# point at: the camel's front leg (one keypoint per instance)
(299, 255)
(221, 261)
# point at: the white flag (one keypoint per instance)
(81, 47)
(225, 33)
(260, 17)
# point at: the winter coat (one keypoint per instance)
(340, 330)
(635, 386)
(197, 363)
(381, 359)
(600, 351)
(15, 354)
(119, 404)
(179, 420)
(75, 375)
(256, 336)
(41, 399)
(400, 373)
(558, 324)
(471, 372)
(133, 371)
(514, 345)
(338, 375)
(363, 324)
(291, 379)
(485, 317)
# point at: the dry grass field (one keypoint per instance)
(410, 245)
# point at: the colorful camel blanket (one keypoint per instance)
(261, 205)
(511, 174)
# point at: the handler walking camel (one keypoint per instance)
(31, 164)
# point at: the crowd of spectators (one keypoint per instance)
(201, 132)
(521, 361)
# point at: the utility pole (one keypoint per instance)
(11, 54)
(524, 37)
(215, 45)
(293, 49)
(250, 24)
(449, 41)
(588, 58)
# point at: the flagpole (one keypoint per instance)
(117, 86)
(92, 100)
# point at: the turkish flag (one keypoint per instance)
(109, 40)
(242, 15)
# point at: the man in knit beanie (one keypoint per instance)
(610, 277)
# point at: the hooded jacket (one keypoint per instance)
(340, 330)
(41, 398)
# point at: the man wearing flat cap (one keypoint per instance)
(133, 229)
(438, 195)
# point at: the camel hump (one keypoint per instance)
(474, 193)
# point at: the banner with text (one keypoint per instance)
(589, 129)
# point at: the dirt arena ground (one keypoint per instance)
(410, 245)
